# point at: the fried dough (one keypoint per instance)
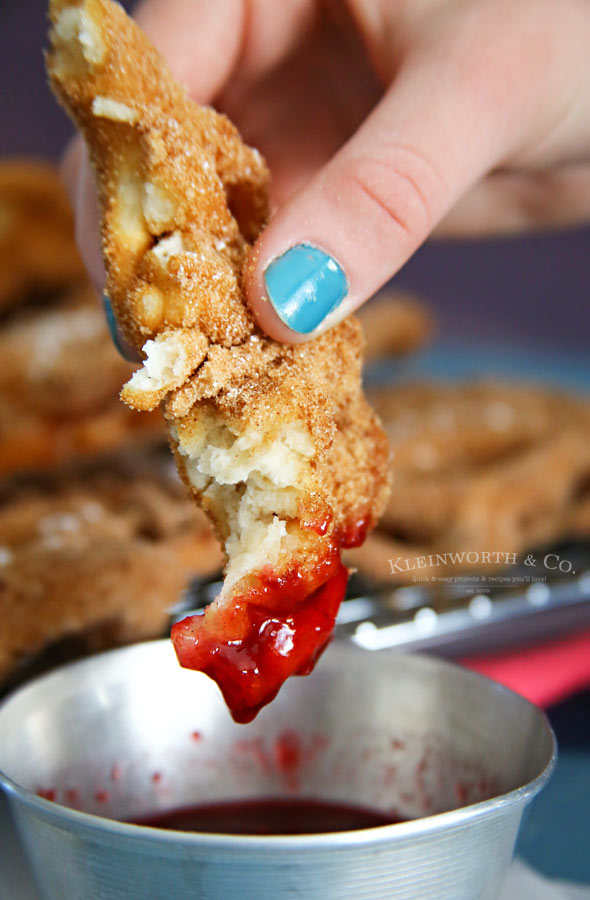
(481, 467)
(37, 250)
(96, 554)
(277, 443)
(395, 323)
(59, 382)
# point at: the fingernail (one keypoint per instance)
(126, 350)
(304, 285)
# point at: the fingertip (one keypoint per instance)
(87, 222)
(79, 181)
(125, 349)
(69, 168)
(200, 40)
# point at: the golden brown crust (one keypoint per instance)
(37, 250)
(182, 198)
(59, 382)
(163, 165)
(481, 467)
(95, 549)
(395, 323)
(436, 428)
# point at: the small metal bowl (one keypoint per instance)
(127, 733)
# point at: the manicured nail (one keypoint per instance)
(126, 350)
(304, 285)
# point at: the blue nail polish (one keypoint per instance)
(125, 350)
(304, 285)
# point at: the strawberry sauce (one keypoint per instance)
(270, 816)
(276, 629)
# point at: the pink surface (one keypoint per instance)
(544, 674)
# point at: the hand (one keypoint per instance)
(382, 123)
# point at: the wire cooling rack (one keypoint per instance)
(458, 615)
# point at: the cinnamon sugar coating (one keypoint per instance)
(180, 193)
(491, 466)
(395, 323)
(276, 442)
(37, 250)
(59, 381)
(95, 555)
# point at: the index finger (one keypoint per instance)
(200, 40)
(206, 43)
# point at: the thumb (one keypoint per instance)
(447, 119)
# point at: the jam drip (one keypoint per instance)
(355, 532)
(276, 629)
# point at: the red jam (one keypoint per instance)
(270, 816)
(355, 532)
(277, 629)
(318, 523)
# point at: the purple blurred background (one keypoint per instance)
(532, 291)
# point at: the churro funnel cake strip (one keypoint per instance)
(481, 471)
(38, 254)
(95, 555)
(277, 443)
(59, 380)
(395, 323)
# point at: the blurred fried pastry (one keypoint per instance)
(440, 434)
(277, 443)
(442, 427)
(59, 381)
(481, 467)
(98, 554)
(37, 250)
(395, 323)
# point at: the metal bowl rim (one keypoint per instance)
(397, 832)
(359, 838)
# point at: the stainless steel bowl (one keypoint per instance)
(128, 733)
